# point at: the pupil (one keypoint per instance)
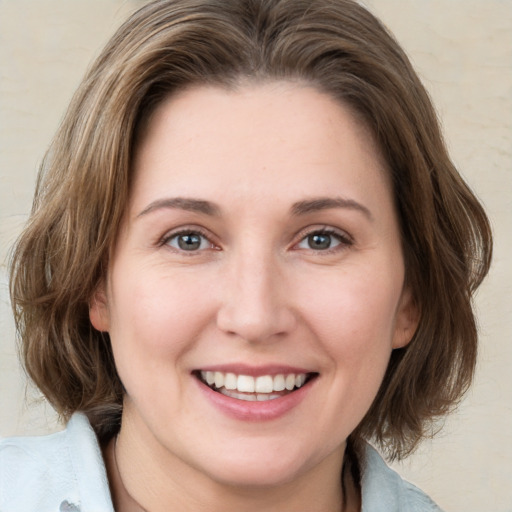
(189, 242)
(320, 241)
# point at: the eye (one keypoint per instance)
(189, 241)
(324, 240)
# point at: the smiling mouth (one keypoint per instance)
(254, 389)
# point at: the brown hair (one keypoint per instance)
(83, 186)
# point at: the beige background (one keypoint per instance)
(462, 50)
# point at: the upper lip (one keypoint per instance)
(254, 371)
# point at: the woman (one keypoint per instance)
(249, 254)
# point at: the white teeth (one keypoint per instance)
(266, 396)
(290, 382)
(249, 397)
(279, 383)
(299, 380)
(230, 381)
(264, 384)
(245, 384)
(219, 379)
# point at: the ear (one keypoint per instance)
(98, 309)
(407, 319)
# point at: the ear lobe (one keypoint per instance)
(407, 319)
(98, 310)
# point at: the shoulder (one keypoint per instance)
(57, 472)
(384, 490)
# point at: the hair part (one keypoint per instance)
(84, 183)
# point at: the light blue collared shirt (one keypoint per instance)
(64, 472)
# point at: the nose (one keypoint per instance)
(256, 306)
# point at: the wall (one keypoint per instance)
(463, 52)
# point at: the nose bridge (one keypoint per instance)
(255, 307)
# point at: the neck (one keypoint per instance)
(140, 483)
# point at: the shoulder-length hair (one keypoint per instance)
(82, 191)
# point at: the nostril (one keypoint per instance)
(257, 324)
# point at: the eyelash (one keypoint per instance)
(165, 241)
(343, 238)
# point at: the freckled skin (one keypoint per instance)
(256, 290)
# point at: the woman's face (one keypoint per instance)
(256, 290)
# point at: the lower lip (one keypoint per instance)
(255, 411)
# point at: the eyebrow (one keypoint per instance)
(183, 203)
(297, 209)
(326, 203)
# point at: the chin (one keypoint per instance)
(249, 469)
(255, 475)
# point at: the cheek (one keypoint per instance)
(155, 318)
(353, 306)
(354, 321)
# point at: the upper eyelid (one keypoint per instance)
(323, 229)
(168, 235)
(344, 238)
(303, 233)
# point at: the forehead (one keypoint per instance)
(275, 138)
